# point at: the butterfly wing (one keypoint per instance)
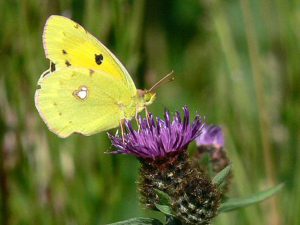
(67, 44)
(79, 100)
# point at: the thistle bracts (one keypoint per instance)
(194, 199)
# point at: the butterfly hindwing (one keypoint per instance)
(67, 44)
(79, 100)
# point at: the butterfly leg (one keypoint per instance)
(137, 120)
(147, 115)
(146, 112)
(122, 123)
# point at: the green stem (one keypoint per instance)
(264, 122)
(4, 192)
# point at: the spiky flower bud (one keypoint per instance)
(161, 146)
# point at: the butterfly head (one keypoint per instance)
(149, 98)
(146, 97)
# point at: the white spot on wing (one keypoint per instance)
(81, 93)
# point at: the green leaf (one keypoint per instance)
(165, 209)
(138, 221)
(164, 198)
(221, 176)
(234, 204)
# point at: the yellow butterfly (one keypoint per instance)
(86, 89)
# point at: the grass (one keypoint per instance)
(236, 62)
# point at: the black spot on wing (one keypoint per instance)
(64, 52)
(99, 59)
(91, 72)
(52, 67)
(67, 63)
(76, 25)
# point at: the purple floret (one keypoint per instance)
(211, 136)
(156, 138)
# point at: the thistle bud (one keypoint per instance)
(211, 141)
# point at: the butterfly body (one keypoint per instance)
(86, 90)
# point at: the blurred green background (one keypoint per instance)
(236, 62)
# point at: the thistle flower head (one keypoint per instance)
(211, 136)
(156, 137)
(160, 145)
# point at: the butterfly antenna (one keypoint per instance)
(166, 79)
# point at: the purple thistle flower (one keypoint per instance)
(156, 138)
(160, 145)
(211, 136)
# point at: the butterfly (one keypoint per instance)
(86, 89)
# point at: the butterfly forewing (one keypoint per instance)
(67, 44)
